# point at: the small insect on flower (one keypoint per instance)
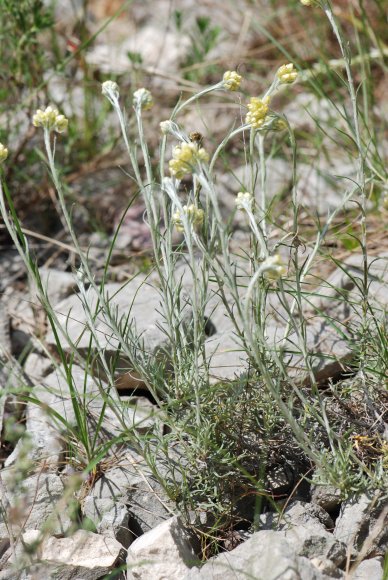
(231, 80)
(50, 119)
(196, 137)
(185, 157)
(142, 98)
(194, 215)
(3, 153)
(287, 73)
(258, 110)
(244, 200)
(273, 268)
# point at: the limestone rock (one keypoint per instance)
(164, 552)
(115, 524)
(40, 502)
(299, 513)
(57, 284)
(37, 367)
(312, 542)
(83, 555)
(362, 524)
(53, 398)
(266, 555)
(136, 307)
(326, 496)
(83, 549)
(342, 288)
(369, 570)
(131, 484)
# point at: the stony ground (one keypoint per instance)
(128, 519)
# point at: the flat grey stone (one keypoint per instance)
(136, 307)
(166, 552)
(37, 367)
(131, 484)
(327, 346)
(266, 555)
(54, 399)
(115, 524)
(299, 513)
(39, 502)
(362, 524)
(81, 556)
(369, 570)
(57, 284)
(340, 295)
(312, 542)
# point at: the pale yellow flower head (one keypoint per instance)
(287, 73)
(185, 157)
(3, 153)
(194, 215)
(50, 119)
(142, 98)
(307, 2)
(273, 268)
(244, 200)
(231, 80)
(258, 110)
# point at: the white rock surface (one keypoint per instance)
(137, 306)
(57, 284)
(164, 553)
(40, 502)
(363, 524)
(312, 542)
(81, 556)
(370, 570)
(83, 549)
(266, 555)
(133, 485)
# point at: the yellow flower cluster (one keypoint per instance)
(307, 2)
(3, 153)
(185, 157)
(143, 99)
(244, 200)
(287, 73)
(258, 110)
(231, 80)
(50, 119)
(193, 214)
(273, 268)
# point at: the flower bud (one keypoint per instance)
(3, 153)
(244, 200)
(287, 73)
(142, 98)
(231, 80)
(110, 89)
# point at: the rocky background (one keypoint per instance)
(124, 519)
